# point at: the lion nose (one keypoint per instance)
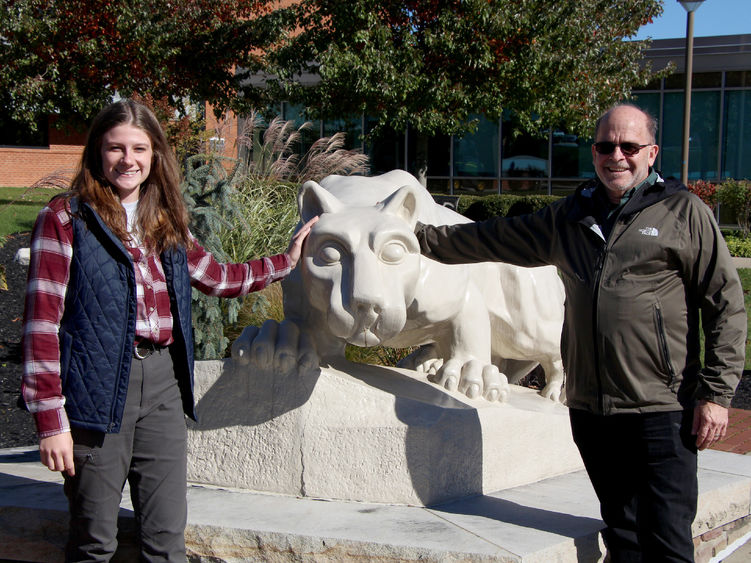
(368, 313)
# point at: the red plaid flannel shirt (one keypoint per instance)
(49, 270)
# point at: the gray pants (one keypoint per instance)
(150, 452)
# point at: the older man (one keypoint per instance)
(645, 269)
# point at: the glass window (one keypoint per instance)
(653, 84)
(675, 81)
(476, 186)
(698, 80)
(703, 139)
(294, 113)
(350, 126)
(738, 78)
(672, 135)
(385, 150)
(527, 186)
(572, 156)
(16, 134)
(651, 104)
(476, 154)
(438, 148)
(524, 155)
(737, 145)
(438, 186)
(310, 134)
(706, 80)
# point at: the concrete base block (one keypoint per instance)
(371, 434)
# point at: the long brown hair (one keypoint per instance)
(162, 216)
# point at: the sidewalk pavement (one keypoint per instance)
(556, 519)
(738, 439)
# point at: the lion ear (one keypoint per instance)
(403, 203)
(313, 200)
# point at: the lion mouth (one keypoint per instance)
(364, 338)
(368, 327)
(367, 333)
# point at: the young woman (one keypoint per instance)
(108, 349)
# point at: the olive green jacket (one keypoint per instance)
(630, 338)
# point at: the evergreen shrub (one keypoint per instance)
(479, 208)
(246, 208)
(208, 189)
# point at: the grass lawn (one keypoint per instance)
(19, 208)
(745, 275)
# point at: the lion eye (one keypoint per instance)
(393, 252)
(331, 254)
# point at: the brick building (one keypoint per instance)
(21, 166)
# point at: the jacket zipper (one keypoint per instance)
(663, 343)
(596, 330)
(112, 422)
(606, 244)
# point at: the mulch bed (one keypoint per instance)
(16, 425)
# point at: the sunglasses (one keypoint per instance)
(629, 149)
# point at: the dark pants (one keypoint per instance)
(643, 468)
(150, 453)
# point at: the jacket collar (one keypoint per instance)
(585, 200)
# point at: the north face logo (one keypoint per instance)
(649, 231)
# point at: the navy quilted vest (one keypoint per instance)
(97, 330)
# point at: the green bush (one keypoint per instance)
(479, 208)
(736, 196)
(738, 244)
(247, 208)
(208, 190)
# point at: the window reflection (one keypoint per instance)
(476, 154)
(496, 158)
(385, 150)
(572, 156)
(737, 160)
(523, 155)
(351, 127)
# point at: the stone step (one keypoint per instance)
(556, 519)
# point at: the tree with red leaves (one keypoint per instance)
(68, 57)
(432, 64)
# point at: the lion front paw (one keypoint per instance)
(554, 391)
(279, 346)
(473, 378)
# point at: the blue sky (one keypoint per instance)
(713, 17)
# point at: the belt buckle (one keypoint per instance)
(139, 356)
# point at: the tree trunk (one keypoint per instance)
(421, 158)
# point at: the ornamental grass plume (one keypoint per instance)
(275, 152)
(254, 211)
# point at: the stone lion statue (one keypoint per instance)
(362, 280)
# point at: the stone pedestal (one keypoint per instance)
(369, 433)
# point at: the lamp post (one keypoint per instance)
(690, 7)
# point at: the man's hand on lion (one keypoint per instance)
(280, 346)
